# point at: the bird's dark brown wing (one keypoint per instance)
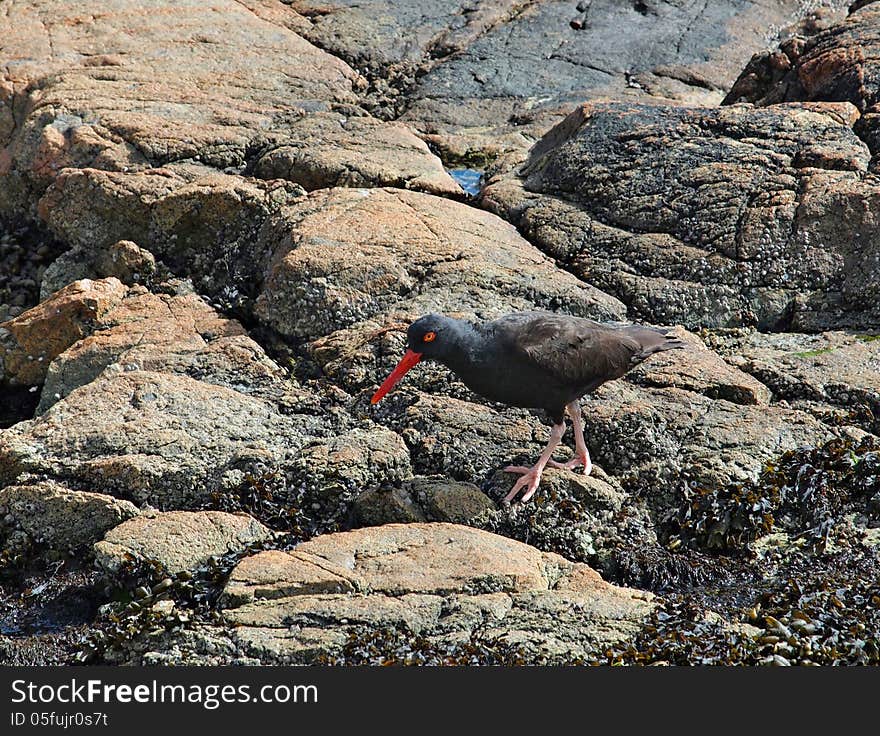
(576, 351)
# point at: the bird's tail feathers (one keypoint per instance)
(655, 341)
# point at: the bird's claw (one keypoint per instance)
(575, 462)
(529, 479)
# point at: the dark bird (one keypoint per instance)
(537, 360)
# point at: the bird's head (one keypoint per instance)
(432, 337)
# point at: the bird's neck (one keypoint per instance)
(467, 351)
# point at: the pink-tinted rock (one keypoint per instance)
(31, 341)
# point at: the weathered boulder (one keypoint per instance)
(348, 255)
(169, 333)
(386, 505)
(394, 39)
(660, 438)
(708, 216)
(60, 518)
(159, 438)
(461, 439)
(456, 503)
(123, 260)
(196, 220)
(31, 341)
(438, 580)
(93, 95)
(178, 540)
(328, 150)
(584, 518)
(838, 64)
(334, 472)
(86, 327)
(175, 442)
(697, 368)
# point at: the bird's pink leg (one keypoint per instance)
(581, 453)
(531, 477)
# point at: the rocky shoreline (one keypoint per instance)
(216, 226)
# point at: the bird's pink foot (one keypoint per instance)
(576, 462)
(529, 480)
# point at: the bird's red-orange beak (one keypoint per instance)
(406, 362)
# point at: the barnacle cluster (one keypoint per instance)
(804, 614)
(556, 521)
(806, 492)
(679, 633)
(635, 564)
(394, 646)
(268, 497)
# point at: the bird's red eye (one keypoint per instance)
(429, 337)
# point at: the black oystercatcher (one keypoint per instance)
(536, 360)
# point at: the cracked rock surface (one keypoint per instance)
(713, 217)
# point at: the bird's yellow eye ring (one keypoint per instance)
(429, 337)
